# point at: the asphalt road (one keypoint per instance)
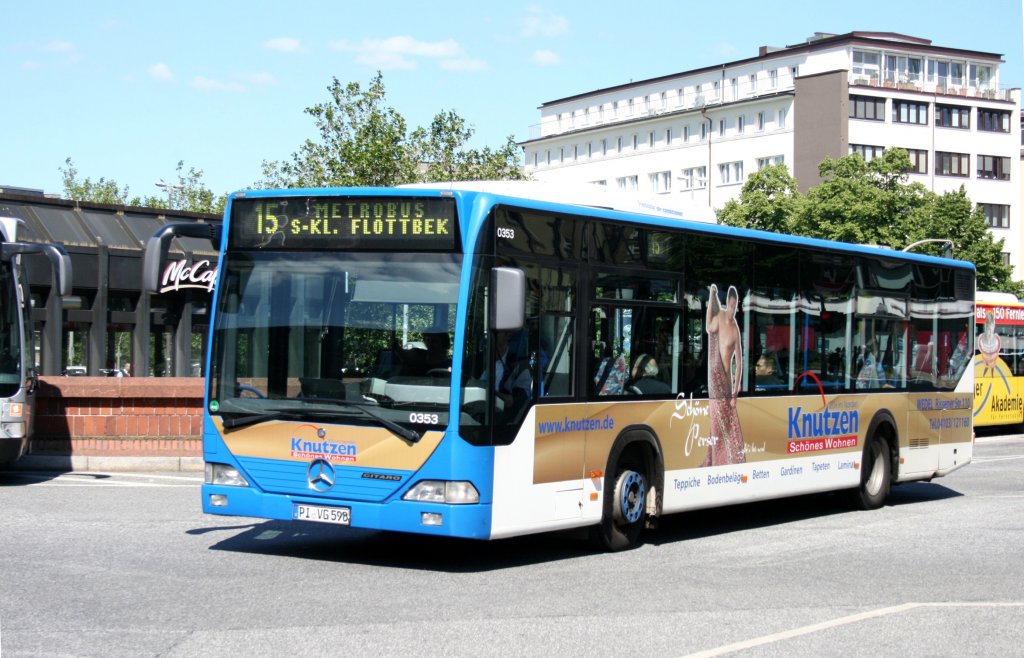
(95, 564)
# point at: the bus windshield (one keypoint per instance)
(343, 331)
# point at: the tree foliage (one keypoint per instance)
(188, 193)
(363, 141)
(872, 203)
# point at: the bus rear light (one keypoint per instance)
(442, 491)
(225, 475)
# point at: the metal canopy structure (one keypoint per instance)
(87, 331)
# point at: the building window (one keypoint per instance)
(773, 78)
(716, 89)
(760, 121)
(865, 64)
(901, 69)
(867, 107)
(636, 141)
(952, 164)
(535, 158)
(771, 160)
(561, 154)
(909, 112)
(980, 75)
(629, 107)
(753, 83)
(668, 136)
(618, 145)
(694, 178)
(703, 131)
(735, 84)
(615, 109)
(604, 147)
(741, 123)
(650, 139)
(721, 127)
(628, 183)
(547, 157)
(679, 97)
(867, 152)
(993, 120)
(946, 73)
(993, 166)
(997, 215)
(686, 134)
(918, 161)
(782, 119)
(731, 172)
(952, 116)
(1006, 258)
(661, 182)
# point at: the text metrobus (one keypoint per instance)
(477, 362)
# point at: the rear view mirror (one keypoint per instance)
(508, 298)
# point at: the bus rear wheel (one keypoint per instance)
(625, 509)
(875, 476)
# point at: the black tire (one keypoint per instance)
(625, 507)
(875, 476)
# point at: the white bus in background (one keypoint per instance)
(18, 375)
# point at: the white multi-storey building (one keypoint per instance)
(697, 135)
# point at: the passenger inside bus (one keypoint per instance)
(645, 377)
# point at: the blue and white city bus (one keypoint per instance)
(486, 360)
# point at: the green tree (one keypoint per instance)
(954, 217)
(189, 193)
(768, 201)
(363, 141)
(872, 203)
(862, 202)
(100, 191)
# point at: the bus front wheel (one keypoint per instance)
(875, 476)
(625, 508)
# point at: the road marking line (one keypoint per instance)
(995, 459)
(842, 621)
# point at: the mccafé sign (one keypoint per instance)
(179, 275)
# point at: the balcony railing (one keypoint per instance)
(948, 87)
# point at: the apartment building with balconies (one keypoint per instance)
(696, 136)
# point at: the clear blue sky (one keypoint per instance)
(127, 89)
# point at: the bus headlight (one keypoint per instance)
(442, 491)
(224, 474)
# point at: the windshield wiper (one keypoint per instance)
(234, 422)
(412, 436)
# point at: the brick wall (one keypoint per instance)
(118, 417)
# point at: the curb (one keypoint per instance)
(107, 463)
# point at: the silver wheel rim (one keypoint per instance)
(873, 485)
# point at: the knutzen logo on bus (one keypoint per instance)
(809, 431)
(321, 448)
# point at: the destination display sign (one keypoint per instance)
(345, 222)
